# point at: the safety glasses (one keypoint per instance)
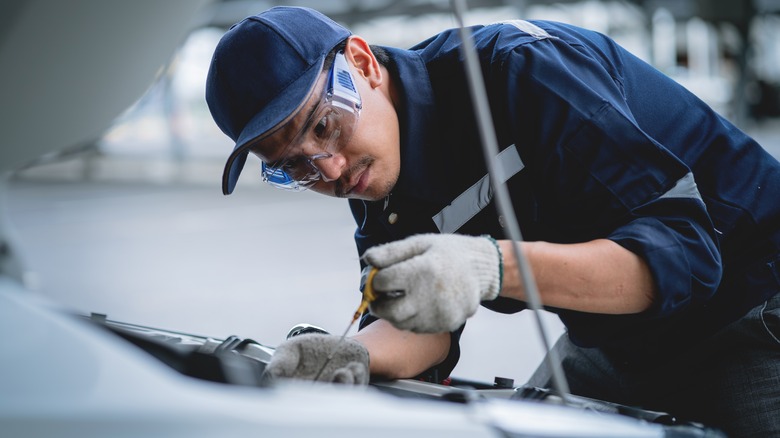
(328, 129)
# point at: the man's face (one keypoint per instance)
(368, 164)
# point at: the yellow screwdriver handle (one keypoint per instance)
(368, 294)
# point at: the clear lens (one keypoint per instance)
(327, 130)
(281, 180)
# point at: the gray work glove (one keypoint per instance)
(443, 278)
(302, 358)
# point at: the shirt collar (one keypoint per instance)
(420, 176)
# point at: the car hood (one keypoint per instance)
(70, 68)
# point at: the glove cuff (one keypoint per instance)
(496, 280)
(500, 262)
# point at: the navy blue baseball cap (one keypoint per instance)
(262, 71)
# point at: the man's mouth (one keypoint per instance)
(356, 180)
(361, 184)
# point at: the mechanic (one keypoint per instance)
(652, 224)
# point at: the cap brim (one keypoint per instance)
(263, 122)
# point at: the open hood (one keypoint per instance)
(70, 68)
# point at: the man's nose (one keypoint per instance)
(332, 167)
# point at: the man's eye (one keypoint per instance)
(321, 128)
(327, 124)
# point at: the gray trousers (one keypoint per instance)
(730, 382)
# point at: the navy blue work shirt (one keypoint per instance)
(595, 143)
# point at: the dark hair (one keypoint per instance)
(379, 52)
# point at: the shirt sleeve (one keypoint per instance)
(597, 174)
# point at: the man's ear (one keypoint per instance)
(358, 53)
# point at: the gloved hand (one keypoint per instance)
(443, 277)
(302, 357)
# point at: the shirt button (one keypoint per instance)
(501, 221)
(392, 218)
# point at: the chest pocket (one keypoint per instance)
(474, 199)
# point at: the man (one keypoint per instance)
(651, 223)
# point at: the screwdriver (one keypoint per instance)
(368, 297)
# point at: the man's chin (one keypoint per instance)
(365, 197)
(371, 194)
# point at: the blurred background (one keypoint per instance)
(133, 223)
